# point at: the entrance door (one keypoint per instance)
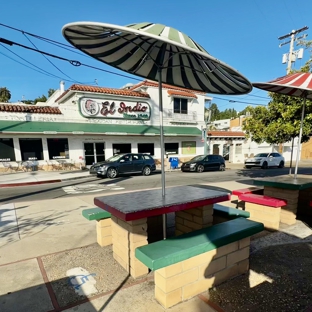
(94, 152)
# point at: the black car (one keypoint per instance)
(124, 163)
(202, 163)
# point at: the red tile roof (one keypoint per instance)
(226, 134)
(30, 109)
(182, 93)
(149, 83)
(85, 88)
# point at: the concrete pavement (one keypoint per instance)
(49, 261)
(42, 241)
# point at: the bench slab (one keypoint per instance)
(263, 200)
(229, 213)
(95, 214)
(173, 250)
(248, 190)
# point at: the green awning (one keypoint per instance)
(85, 128)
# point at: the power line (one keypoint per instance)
(51, 61)
(72, 62)
(233, 101)
(42, 71)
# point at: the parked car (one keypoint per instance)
(124, 163)
(204, 163)
(265, 160)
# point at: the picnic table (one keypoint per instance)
(297, 193)
(136, 218)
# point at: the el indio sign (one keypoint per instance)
(101, 108)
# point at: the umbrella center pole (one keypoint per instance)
(299, 140)
(162, 148)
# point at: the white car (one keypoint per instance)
(265, 160)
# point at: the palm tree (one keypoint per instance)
(5, 95)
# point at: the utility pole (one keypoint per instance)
(291, 57)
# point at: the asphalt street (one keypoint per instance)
(99, 187)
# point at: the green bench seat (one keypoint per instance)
(176, 249)
(103, 224)
(229, 213)
(95, 214)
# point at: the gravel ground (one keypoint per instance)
(109, 275)
(279, 281)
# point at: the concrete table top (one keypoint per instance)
(286, 182)
(142, 204)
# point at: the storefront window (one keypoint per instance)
(189, 148)
(121, 148)
(58, 148)
(31, 149)
(146, 148)
(7, 150)
(171, 148)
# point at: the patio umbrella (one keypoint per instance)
(298, 85)
(158, 53)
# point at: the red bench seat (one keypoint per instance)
(311, 203)
(248, 190)
(263, 200)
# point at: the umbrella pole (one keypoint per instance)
(162, 146)
(299, 140)
(291, 155)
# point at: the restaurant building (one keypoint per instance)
(87, 124)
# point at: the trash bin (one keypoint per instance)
(174, 162)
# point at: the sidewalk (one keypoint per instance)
(40, 177)
(49, 261)
(44, 243)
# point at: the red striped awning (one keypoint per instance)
(298, 84)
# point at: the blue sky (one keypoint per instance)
(241, 33)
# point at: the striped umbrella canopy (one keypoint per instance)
(298, 85)
(158, 53)
(142, 49)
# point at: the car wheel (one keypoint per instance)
(99, 176)
(265, 165)
(200, 168)
(281, 164)
(222, 167)
(146, 171)
(111, 173)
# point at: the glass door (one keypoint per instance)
(94, 152)
(99, 152)
(89, 153)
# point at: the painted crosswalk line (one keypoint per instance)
(90, 188)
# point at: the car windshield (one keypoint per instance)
(262, 155)
(198, 158)
(114, 158)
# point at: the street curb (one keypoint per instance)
(40, 182)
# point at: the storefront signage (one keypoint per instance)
(111, 109)
(5, 159)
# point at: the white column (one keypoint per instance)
(17, 149)
(108, 149)
(45, 149)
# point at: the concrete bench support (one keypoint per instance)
(127, 236)
(264, 209)
(190, 264)
(193, 219)
(289, 211)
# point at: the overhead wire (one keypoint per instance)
(72, 62)
(50, 60)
